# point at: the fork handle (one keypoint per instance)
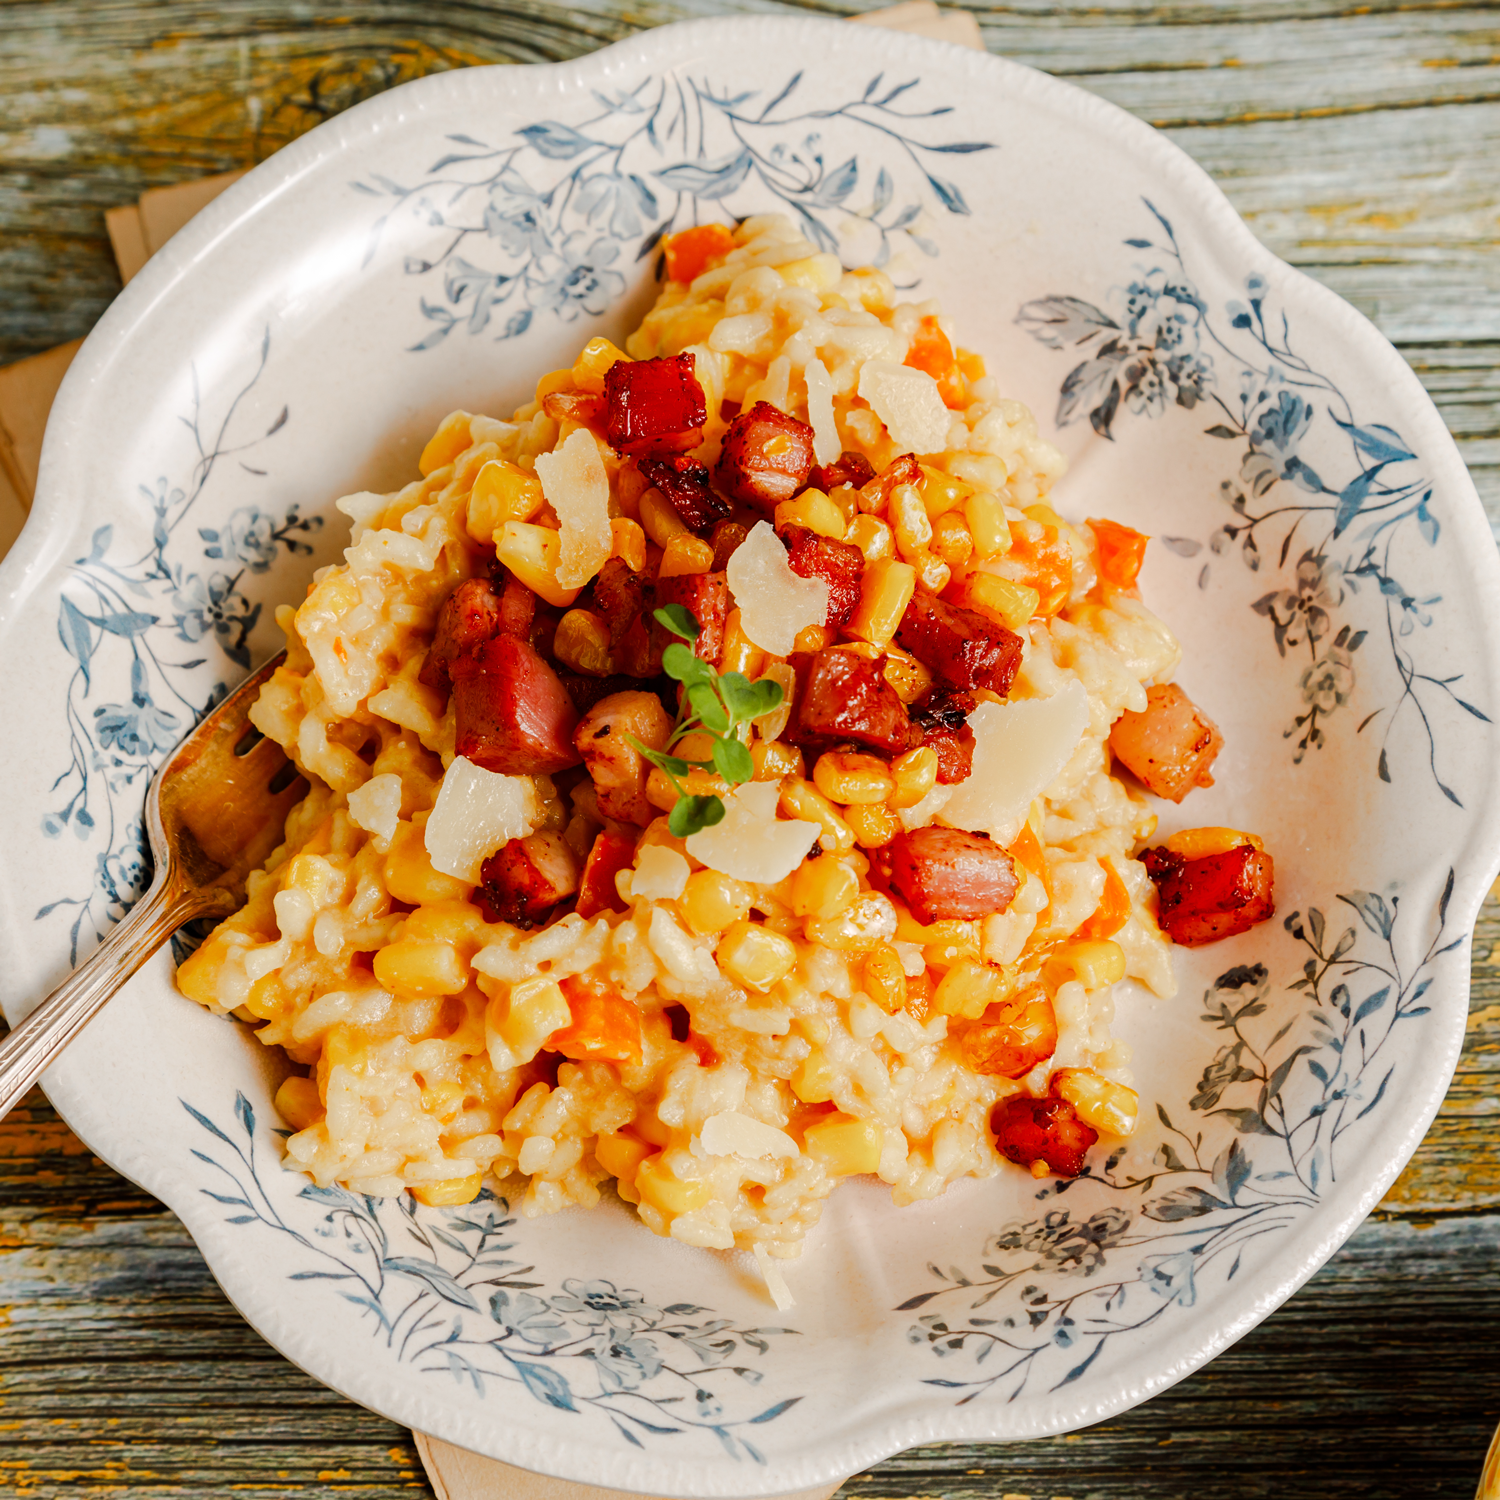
(32, 1046)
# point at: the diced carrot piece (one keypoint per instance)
(612, 852)
(1047, 567)
(931, 352)
(689, 252)
(1121, 552)
(606, 1027)
(1113, 911)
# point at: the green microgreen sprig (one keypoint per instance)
(718, 703)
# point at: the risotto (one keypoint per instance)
(711, 783)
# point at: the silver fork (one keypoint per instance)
(214, 812)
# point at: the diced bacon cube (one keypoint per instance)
(766, 458)
(523, 880)
(684, 481)
(611, 853)
(511, 712)
(705, 596)
(620, 597)
(1011, 1038)
(1030, 1130)
(1218, 896)
(618, 769)
(945, 873)
(470, 615)
(847, 468)
(959, 646)
(1171, 745)
(517, 608)
(846, 697)
(839, 565)
(942, 716)
(654, 405)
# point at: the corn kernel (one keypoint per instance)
(814, 510)
(915, 775)
(518, 1023)
(711, 901)
(412, 966)
(684, 555)
(818, 273)
(502, 492)
(932, 572)
(844, 1145)
(873, 823)
(909, 519)
(801, 799)
(969, 988)
(906, 675)
(628, 543)
(875, 540)
(554, 381)
(741, 654)
(621, 1155)
(985, 514)
(1095, 963)
(1043, 515)
(864, 922)
(450, 1191)
(998, 599)
(755, 957)
(1107, 1106)
(942, 493)
(592, 365)
(884, 594)
(774, 759)
(850, 777)
(951, 540)
(1200, 843)
(813, 1081)
(661, 793)
(668, 1194)
(823, 888)
(660, 519)
(582, 643)
(198, 974)
(884, 977)
(812, 638)
(871, 288)
(630, 485)
(531, 553)
(450, 439)
(951, 942)
(408, 872)
(458, 923)
(297, 1102)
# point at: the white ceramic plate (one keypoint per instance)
(1319, 549)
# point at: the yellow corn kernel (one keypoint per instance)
(754, 956)
(582, 643)
(813, 1081)
(683, 555)
(932, 572)
(413, 966)
(697, 745)
(998, 599)
(951, 540)
(711, 901)
(1109, 1107)
(502, 492)
(1095, 963)
(844, 1145)
(818, 273)
(450, 1191)
(621, 1155)
(662, 794)
(741, 654)
(814, 510)
(311, 874)
(909, 519)
(875, 540)
(824, 887)
(1200, 843)
(774, 759)
(630, 485)
(459, 923)
(915, 775)
(441, 1098)
(884, 977)
(668, 1194)
(812, 638)
(970, 363)
(863, 923)
(450, 439)
(660, 519)
(951, 942)
(592, 365)
(297, 1102)
(519, 1022)
(801, 799)
(906, 675)
(628, 543)
(871, 288)
(942, 493)
(969, 988)
(531, 553)
(985, 514)
(874, 824)
(198, 974)
(850, 777)
(883, 597)
(1043, 515)
(408, 872)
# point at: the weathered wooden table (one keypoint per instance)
(1362, 143)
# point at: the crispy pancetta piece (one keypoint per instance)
(1049, 1131)
(705, 596)
(839, 565)
(575, 406)
(1170, 746)
(848, 468)
(945, 873)
(943, 718)
(875, 493)
(684, 482)
(511, 712)
(611, 853)
(618, 769)
(523, 880)
(959, 646)
(846, 697)
(654, 405)
(470, 615)
(766, 458)
(619, 596)
(1009, 1040)
(1218, 896)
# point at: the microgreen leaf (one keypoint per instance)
(706, 705)
(677, 619)
(679, 663)
(732, 761)
(694, 814)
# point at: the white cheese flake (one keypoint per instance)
(909, 404)
(1019, 749)
(730, 1133)
(376, 806)
(476, 812)
(660, 874)
(775, 1282)
(826, 445)
(752, 843)
(774, 603)
(577, 488)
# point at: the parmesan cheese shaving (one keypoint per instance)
(476, 812)
(774, 603)
(376, 806)
(775, 1282)
(826, 444)
(909, 404)
(730, 1133)
(577, 488)
(752, 843)
(660, 874)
